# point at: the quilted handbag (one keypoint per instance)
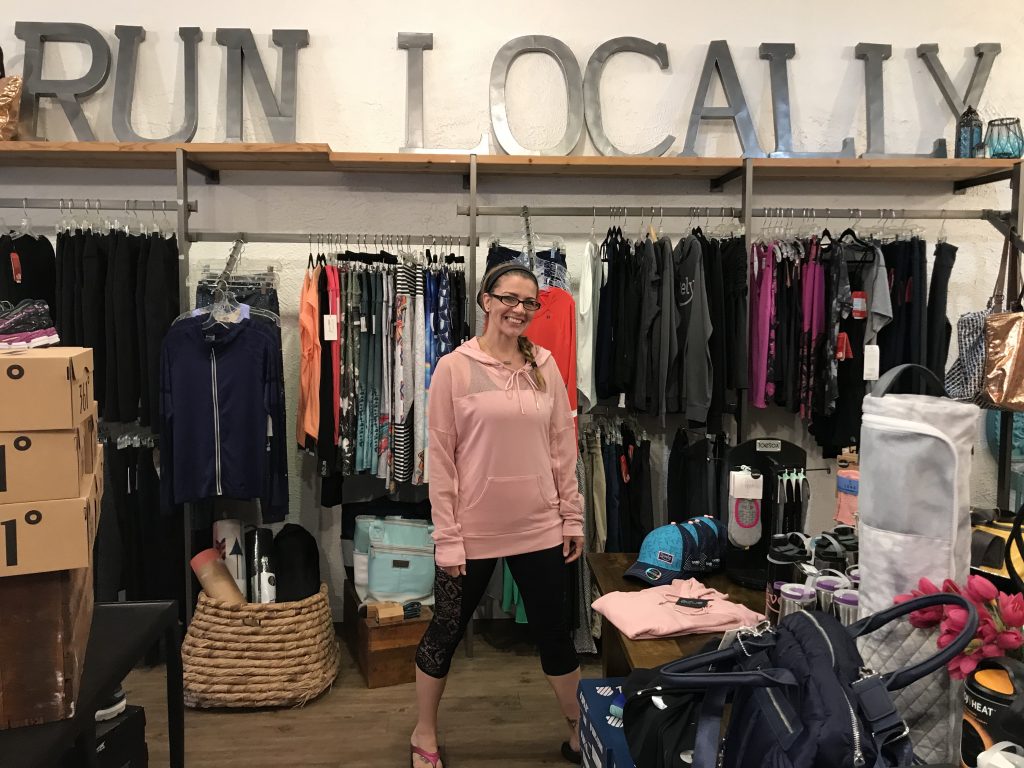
(966, 378)
(910, 530)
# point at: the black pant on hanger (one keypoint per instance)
(126, 327)
(161, 306)
(939, 328)
(111, 404)
(78, 335)
(94, 275)
(642, 502)
(690, 486)
(55, 310)
(716, 344)
(108, 550)
(67, 289)
(141, 361)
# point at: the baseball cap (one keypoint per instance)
(678, 551)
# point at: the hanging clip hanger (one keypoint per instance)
(26, 222)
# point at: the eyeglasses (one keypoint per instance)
(530, 305)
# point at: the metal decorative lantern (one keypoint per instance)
(968, 133)
(1004, 138)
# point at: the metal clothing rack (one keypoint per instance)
(187, 160)
(303, 238)
(732, 212)
(998, 219)
(88, 204)
(1009, 224)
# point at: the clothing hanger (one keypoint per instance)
(25, 230)
(224, 310)
(826, 236)
(852, 234)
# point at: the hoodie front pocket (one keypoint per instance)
(509, 504)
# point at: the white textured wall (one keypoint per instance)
(352, 82)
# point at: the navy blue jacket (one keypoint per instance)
(222, 415)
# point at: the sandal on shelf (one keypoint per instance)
(431, 757)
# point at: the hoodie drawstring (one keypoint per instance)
(514, 384)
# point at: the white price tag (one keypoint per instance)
(330, 327)
(871, 362)
(362, 323)
(622, 400)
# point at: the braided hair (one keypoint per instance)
(526, 348)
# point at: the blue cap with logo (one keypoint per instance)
(679, 551)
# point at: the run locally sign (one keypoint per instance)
(583, 88)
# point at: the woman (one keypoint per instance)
(502, 484)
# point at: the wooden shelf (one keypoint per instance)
(155, 156)
(580, 165)
(896, 169)
(320, 158)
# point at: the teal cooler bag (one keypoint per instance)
(401, 560)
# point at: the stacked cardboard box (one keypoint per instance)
(51, 483)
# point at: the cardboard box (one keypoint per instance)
(602, 739)
(43, 637)
(49, 388)
(38, 466)
(42, 536)
(46, 618)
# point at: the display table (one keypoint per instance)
(121, 635)
(620, 655)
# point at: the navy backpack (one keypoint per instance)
(800, 696)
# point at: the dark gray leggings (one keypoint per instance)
(540, 577)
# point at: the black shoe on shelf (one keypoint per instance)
(113, 706)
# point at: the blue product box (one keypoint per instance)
(602, 739)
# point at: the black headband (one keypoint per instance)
(498, 272)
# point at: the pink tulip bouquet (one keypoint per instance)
(1001, 618)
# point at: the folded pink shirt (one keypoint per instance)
(655, 612)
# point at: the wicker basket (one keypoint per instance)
(259, 654)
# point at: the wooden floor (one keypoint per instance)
(498, 711)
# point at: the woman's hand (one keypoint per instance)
(455, 570)
(572, 548)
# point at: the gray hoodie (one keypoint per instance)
(688, 388)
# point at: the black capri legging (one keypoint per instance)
(540, 577)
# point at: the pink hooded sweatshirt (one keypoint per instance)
(655, 612)
(502, 458)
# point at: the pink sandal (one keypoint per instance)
(431, 757)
